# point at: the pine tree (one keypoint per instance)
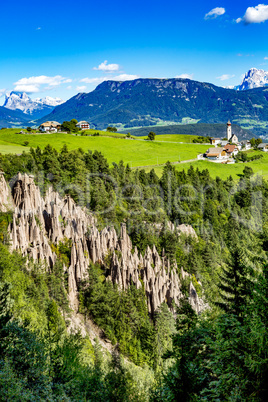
(236, 281)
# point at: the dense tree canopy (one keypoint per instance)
(218, 355)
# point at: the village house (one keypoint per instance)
(245, 145)
(216, 153)
(50, 126)
(215, 141)
(231, 150)
(83, 125)
(263, 147)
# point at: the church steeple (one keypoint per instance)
(229, 130)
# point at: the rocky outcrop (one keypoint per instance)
(41, 223)
(5, 198)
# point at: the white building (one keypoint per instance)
(50, 126)
(216, 141)
(263, 147)
(83, 125)
(245, 145)
(215, 153)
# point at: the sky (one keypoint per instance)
(59, 48)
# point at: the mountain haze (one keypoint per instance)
(10, 118)
(145, 102)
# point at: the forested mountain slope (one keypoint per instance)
(11, 118)
(204, 129)
(145, 102)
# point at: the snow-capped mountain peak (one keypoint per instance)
(49, 101)
(254, 78)
(22, 101)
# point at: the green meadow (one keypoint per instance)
(135, 152)
(7, 148)
(187, 139)
(223, 171)
(138, 152)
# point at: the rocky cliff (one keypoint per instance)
(39, 223)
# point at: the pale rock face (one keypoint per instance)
(5, 196)
(21, 101)
(254, 78)
(38, 222)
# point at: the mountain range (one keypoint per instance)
(145, 102)
(35, 108)
(151, 102)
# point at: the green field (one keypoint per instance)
(174, 138)
(7, 148)
(223, 171)
(135, 152)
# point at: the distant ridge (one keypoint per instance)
(145, 102)
(210, 130)
(10, 118)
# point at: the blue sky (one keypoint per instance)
(59, 48)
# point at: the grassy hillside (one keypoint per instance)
(211, 130)
(7, 148)
(134, 152)
(187, 139)
(223, 171)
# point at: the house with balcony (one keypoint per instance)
(50, 127)
(83, 125)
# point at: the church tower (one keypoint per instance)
(229, 130)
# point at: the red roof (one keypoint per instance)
(229, 148)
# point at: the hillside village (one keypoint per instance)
(225, 149)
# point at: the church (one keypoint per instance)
(231, 137)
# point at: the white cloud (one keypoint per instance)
(255, 15)
(265, 58)
(188, 76)
(69, 87)
(29, 89)
(214, 13)
(98, 80)
(107, 67)
(33, 84)
(38, 29)
(225, 77)
(125, 77)
(81, 89)
(93, 80)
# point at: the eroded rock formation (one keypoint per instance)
(38, 223)
(5, 198)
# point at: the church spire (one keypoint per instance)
(229, 130)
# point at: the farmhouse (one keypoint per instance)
(50, 126)
(245, 144)
(83, 125)
(215, 141)
(231, 150)
(263, 147)
(215, 153)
